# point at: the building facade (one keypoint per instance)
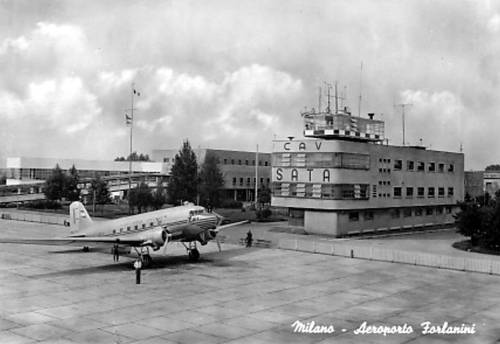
(237, 167)
(474, 183)
(345, 181)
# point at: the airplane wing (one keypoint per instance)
(74, 240)
(132, 239)
(232, 225)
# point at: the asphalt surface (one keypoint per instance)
(58, 294)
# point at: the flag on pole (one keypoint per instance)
(128, 119)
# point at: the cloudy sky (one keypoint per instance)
(231, 74)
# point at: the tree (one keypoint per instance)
(99, 192)
(183, 183)
(495, 167)
(55, 185)
(159, 197)
(141, 197)
(263, 195)
(71, 191)
(472, 221)
(211, 181)
(134, 157)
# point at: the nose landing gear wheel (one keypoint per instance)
(194, 255)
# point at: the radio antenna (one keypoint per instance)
(360, 88)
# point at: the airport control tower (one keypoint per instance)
(343, 178)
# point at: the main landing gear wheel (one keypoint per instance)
(194, 255)
(146, 260)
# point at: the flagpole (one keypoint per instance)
(130, 153)
(256, 175)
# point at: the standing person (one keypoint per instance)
(249, 238)
(116, 255)
(138, 266)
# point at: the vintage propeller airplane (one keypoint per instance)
(189, 224)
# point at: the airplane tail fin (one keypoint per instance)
(79, 219)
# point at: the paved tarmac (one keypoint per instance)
(57, 294)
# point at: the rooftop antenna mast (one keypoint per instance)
(342, 97)
(328, 87)
(319, 99)
(403, 106)
(360, 88)
(336, 99)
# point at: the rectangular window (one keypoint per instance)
(409, 192)
(239, 162)
(420, 192)
(439, 211)
(353, 217)
(440, 192)
(441, 167)
(395, 214)
(450, 192)
(430, 192)
(128, 228)
(352, 161)
(418, 212)
(234, 181)
(429, 211)
(397, 192)
(241, 181)
(246, 162)
(448, 210)
(266, 163)
(398, 164)
(136, 227)
(308, 190)
(451, 168)
(407, 212)
(248, 181)
(368, 216)
(327, 191)
(225, 161)
(232, 161)
(410, 165)
(432, 167)
(421, 166)
(143, 225)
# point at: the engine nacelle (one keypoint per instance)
(157, 238)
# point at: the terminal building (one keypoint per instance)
(237, 167)
(25, 176)
(341, 179)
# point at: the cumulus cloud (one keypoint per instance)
(63, 104)
(232, 76)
